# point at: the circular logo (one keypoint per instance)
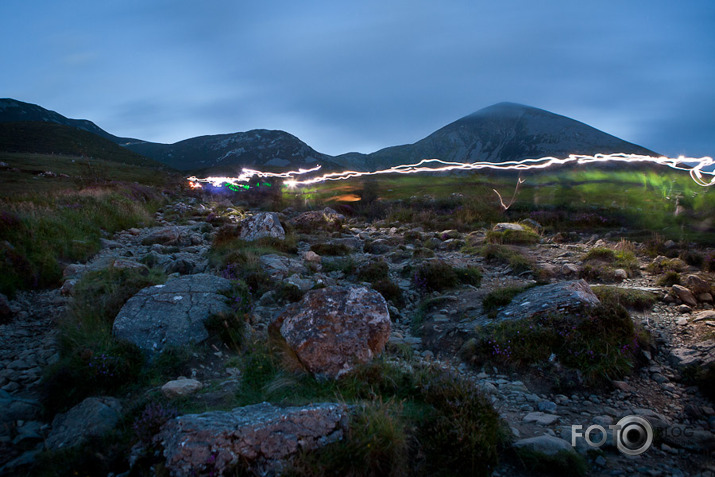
(634, 435)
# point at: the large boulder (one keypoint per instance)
(326, 219)
(333, 329)
(91, 418)
(261, 435)
(280, 266)
(263, 224)
(562, 297)
(172, 314)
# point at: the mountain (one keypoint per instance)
(52, 138)
(12, 110)
(258, 148)
(499, 133)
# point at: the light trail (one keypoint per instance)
(693, 166)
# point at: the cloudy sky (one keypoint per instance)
(359, 76)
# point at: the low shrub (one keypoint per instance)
(373, 271)
(668, 279)
(601, 263)
(627, 297)
(389, 290)
(563, 463)
(508, 256)
(662, 265)
(437, 275)
(331, 249)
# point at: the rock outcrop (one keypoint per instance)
(331, 330)
(261, 225)
(172, 314)
(261, 435)
(92, 417)
(554, 298)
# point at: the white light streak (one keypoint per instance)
(694, 166)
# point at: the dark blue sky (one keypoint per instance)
(359, 76)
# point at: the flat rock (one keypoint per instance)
(541, 418)
(503, 226)
(548, 445)
(554, 298)
(280, 266)
(261, 435)
(685, 295)
(172, 314)
(92, 417)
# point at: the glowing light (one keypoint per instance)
(695, 167)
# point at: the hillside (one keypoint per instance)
(257, 148)
(12, 110)
(499, 133)
(54, 138)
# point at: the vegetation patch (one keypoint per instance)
(500, 298)
(331, 249)
(437, 275)
(601, 263)
(373, 271)
(627, 297)
(517, 237)
(601, 342)
(668, 279)
(518, 262)
(566, 463)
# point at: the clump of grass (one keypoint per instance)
(232, 328)
(422, 309)
(517, 237)
(668, 279)
(601, 342)
(345, 265)
(499, 298)
(437, 275)
(389, 290)
(508, 256)
(600, 264)
(373, 271)
(662, 265)
(629, 298)
(331, 249)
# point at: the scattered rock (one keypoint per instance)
(261, 435)
(280, 267)
(333, 329)
(172, 314)
(541, 418)
(5, 311)
(696, 284)
(261, 225)
(503, 226)
(92, 417)
(685, 295)
(313, 220)
(181, 387)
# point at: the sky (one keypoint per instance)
(360, 76)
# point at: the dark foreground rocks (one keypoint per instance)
(261, 435)
(554, 298)
(331, 330)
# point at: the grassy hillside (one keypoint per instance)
(50, 138)
(55, 209)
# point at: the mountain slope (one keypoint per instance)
(52, 138)
(229, 152)
(12, 110)
(499, 133)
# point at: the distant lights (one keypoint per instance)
(693, 166)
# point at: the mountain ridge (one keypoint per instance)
(501, 132)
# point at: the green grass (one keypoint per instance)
(600, 264)
(437, 275)
(517, 237)
(629, 298)
(518, 262)
(39, 232)
(330, 249)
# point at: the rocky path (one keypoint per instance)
(28, 342)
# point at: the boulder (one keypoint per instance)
(504, 226)
(261, 225)
(172, 314)
(326, 219)
(333, 329)
(280, 266)
(696, 284)
(92, 417)
(181, 387)
(685, 295)
(261, 435)
(175, 235)
(561, 297)
(699, 354)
